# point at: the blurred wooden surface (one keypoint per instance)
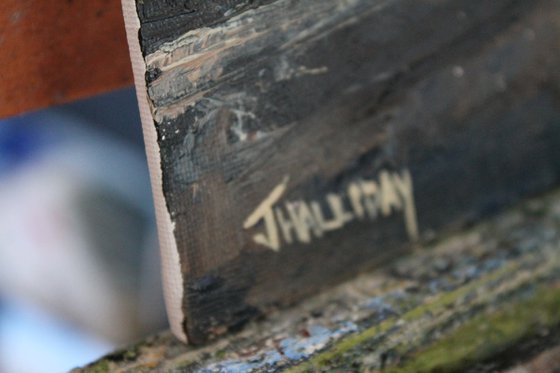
(486, 299)
(53, 52)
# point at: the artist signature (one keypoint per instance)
(302, 221)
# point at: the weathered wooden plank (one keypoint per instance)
(483, 300)
(58, 51)
(301, 142)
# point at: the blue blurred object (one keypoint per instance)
(54, 345)
(20, 141)
(79, 265)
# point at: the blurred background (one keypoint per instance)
(79, 264)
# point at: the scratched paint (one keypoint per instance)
(191, 66)
(293, 349)
(303, 221)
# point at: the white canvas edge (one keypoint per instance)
(170, 261)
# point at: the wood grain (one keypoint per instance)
(57, 51)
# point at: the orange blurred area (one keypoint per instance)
(57, 51)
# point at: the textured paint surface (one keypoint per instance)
(322, 98)
(164, 21)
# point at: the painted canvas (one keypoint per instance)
(296, 143)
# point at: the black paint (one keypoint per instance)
(452, 90)
(165, 20)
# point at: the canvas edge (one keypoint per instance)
(170, 260)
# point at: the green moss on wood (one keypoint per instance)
(102, 366)
(479, 338)
(486, 335)
(513, 275)
(436, 305)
